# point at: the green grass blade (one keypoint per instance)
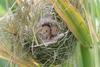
(73, 19)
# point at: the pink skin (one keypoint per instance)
(54, 30)
(48, 31)
(45, 32)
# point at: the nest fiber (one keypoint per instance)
(21, 32)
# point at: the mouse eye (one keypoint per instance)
(56, 30)
(46, 31)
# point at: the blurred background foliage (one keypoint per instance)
(4, 6)
(92, 8)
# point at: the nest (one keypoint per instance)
(26, 41)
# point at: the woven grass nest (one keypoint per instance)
(25, 33)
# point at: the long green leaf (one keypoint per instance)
(73, 19)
